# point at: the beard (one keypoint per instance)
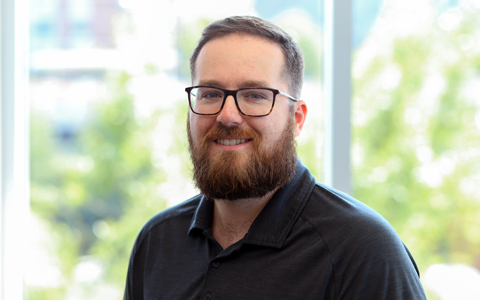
(222, 176)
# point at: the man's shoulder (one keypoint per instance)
(177, 217)
(328, 202)
(184, 209)
(360, 241)
(335, 214)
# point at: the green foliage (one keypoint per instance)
(95, 197)
(44, 293)
(415, 155)
(187, 39)
(311, 51)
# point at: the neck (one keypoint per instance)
(232, 219)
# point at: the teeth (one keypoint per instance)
(227, 142)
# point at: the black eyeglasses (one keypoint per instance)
(252, 102)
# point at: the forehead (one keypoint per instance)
(240, 57)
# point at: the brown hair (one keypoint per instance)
(293, 68)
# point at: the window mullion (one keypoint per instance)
(337, 82)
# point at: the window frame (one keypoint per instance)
(337, 85)
(14, 143)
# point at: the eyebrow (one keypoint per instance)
(244, 84)
(211, 82)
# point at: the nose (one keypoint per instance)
(230, 115)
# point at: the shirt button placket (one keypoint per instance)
(214, 265)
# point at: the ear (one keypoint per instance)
(300, 116)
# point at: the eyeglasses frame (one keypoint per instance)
(234, 94)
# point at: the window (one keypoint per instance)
(107, 118)
(415, 132)
(108, 130)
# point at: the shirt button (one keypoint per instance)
(207, 296)
(215, 264)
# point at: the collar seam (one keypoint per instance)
(279, 243)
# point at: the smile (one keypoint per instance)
(231, 142)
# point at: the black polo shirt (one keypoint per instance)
(309, 242)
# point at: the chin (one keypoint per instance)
(238, 157)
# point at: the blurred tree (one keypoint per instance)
(416, 145)
(95, 198)
(187, 38)
(415, 155)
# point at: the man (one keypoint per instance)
(262, 228)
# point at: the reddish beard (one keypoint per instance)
(223, 177)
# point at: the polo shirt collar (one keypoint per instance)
(277, 218)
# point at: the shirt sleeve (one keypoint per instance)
(134, 282)
(376, 265)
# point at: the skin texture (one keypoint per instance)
(232, 62)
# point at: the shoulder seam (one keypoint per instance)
(329, 252)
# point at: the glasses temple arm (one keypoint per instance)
(288, 96)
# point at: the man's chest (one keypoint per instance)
(295, 271)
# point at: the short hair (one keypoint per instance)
(293, 69)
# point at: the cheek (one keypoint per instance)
(272, 126)
(273, 129)
(273, 134)
(267, 128)
(199, 126)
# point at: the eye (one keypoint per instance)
(211, 95)
(255, 96)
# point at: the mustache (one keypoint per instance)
(222, 131)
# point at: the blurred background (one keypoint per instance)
(108, 146)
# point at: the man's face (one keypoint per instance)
(263, 154)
